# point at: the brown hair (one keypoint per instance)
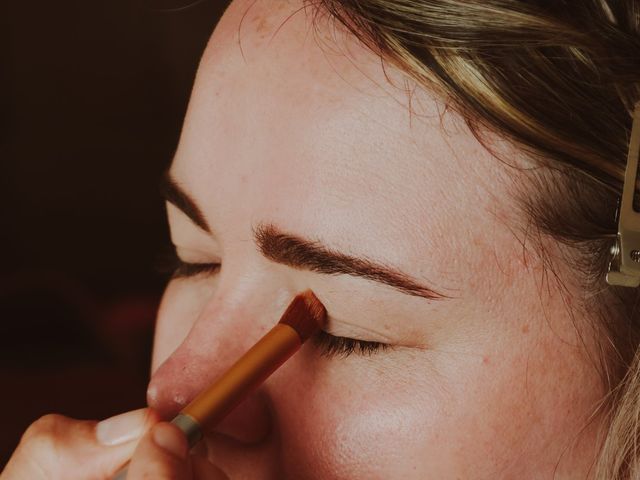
(559, 79)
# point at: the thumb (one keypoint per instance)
(56, 447)
(162, 454)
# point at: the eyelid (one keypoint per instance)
(345, 329)
(194, 256)
(169, 263)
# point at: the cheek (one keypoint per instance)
(182, 302)
(358, 418)
(480, 416)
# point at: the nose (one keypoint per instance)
(219, 336)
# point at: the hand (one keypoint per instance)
(56, 447)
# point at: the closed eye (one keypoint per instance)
(170, 264)
(332, 346)
(173, 266)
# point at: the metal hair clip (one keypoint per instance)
(624, 268)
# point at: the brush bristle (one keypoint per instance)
(305, 314)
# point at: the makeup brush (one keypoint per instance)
(303, 317)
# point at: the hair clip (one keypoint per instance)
(624, 267)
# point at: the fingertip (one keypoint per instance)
(122, 428)
(161, 454)
(171, 439)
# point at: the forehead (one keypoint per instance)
(298, 124)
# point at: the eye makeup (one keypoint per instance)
(329, 345)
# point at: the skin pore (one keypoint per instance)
(299, 130)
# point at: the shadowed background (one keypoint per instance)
(92, 100)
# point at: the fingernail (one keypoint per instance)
(170, 439)
(121, 428)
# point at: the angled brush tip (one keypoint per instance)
(305, 314)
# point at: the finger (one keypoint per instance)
(162, 454)
(56, 447)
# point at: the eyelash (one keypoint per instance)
(332, 346)
(170, 264)
(329, 345)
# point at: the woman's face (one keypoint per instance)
(304, 135)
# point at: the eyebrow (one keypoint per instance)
(311, 255)
(173, 193)
(304, 254)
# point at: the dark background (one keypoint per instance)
(92, 99)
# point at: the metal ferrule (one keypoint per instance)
(189, 426)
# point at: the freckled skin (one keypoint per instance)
(302, 129)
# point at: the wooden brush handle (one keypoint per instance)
(244, 376)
